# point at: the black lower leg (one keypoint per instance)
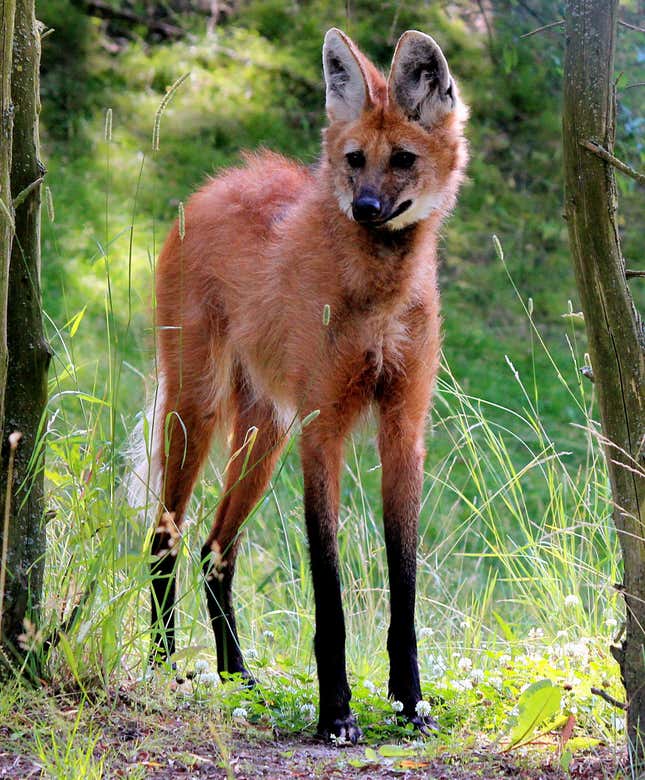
(404, 683)
(218, 582)
(329, 642)
(162, 599)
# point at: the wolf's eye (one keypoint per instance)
(355, 159)
(402, 159)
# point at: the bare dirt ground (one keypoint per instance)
(164, 745)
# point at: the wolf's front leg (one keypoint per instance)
(402, 453)
(321, 460)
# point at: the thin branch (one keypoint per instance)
(631, 273)
(619, 164)
(636, 84)
(22, 196)
(557, 23)
(610, 699)
(631, 26)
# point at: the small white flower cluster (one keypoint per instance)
(436, 666)
(578, 651)
(464, 665)
(571, 601)
(369, 685)
(425, 632)
(397, 706)
(203, 675)
(477, 676)
(239, 713)
(496, 682)
(423, 708)
(308, 711)
(463, 685)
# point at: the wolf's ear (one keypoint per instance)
(345, 80)
(420, 81)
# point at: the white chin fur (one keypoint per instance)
(345, 204)
(422, 207)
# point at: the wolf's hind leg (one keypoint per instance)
(257, 443)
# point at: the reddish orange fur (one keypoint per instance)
(240, 302)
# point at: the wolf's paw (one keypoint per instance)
(425, 724)
(342, 731)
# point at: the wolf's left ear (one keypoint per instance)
(420, 81)
(345, 79)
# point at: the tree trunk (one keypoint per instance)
(7, 15)
(614, 329)
(26, 382)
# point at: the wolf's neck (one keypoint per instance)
(381, 268)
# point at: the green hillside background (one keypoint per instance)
(517, 554)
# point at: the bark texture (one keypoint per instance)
(26, 384)
(614, 328)
(7, 15)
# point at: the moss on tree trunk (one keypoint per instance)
(28, 355)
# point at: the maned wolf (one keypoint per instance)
(288, 290)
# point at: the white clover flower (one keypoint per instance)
(422, 708)
(577, 651)
(239, 713)
(208, 678)
(425, 632)
(397, 706)
(477, 676)
(463, 685)
(611, 622)
(251, 653)
(269, 636)
(201, 666)
(369, 685)
(464, 665)
(496, 682)
(571, 600)
(505, 659)
(308, 711)
(536, 633)
(465, 624)
(561, 635)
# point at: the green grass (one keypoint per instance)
(517, 555)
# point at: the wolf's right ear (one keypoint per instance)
(345, 80)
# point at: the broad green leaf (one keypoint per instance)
(538, 703)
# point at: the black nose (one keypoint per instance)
(366, 208)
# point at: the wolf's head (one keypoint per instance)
(395, 147)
